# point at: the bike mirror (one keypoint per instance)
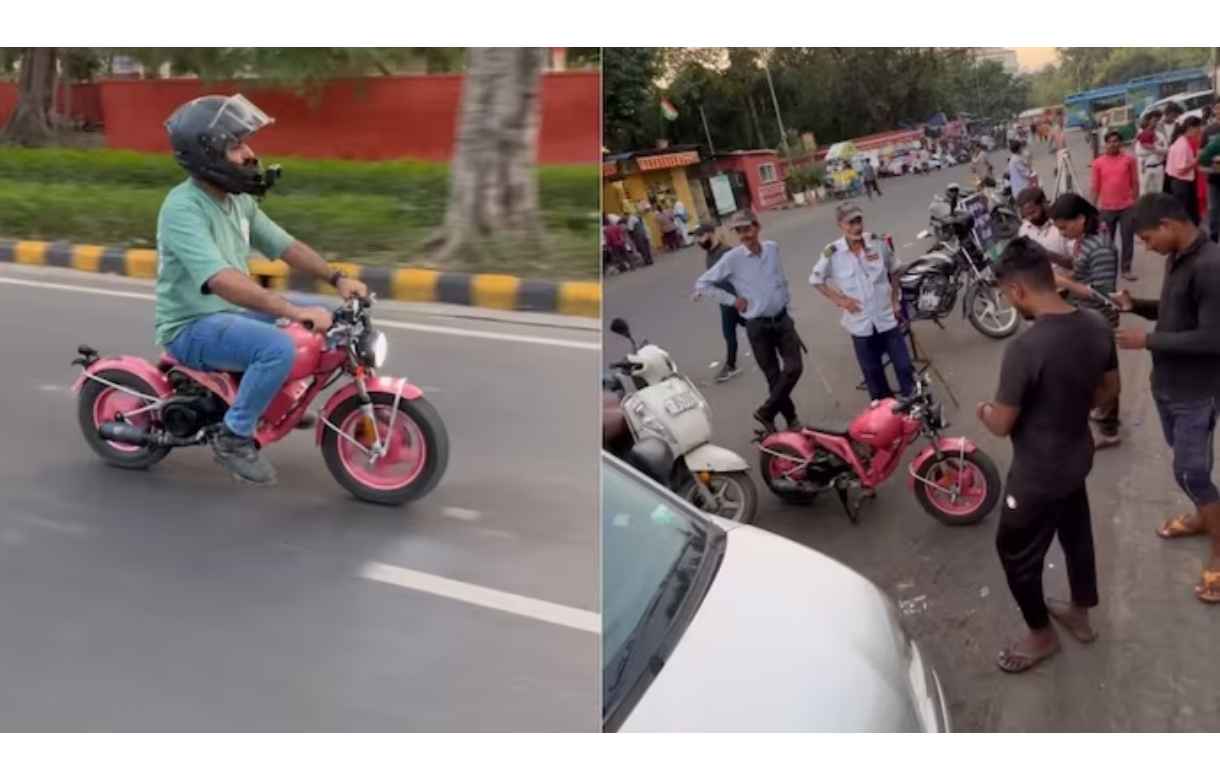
(619, 325)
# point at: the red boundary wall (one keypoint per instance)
(360, 119)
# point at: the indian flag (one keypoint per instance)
(668, 110)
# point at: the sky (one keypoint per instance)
(1034, 58)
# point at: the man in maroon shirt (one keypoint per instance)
(1116, 186)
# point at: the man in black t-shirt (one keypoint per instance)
(1046, 392)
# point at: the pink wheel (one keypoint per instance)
(416, 454)
(962, 491)
(100, 403)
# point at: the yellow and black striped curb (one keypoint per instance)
(493, 291)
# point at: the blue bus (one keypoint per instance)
(1137, 93)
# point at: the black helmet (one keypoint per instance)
(203, 130)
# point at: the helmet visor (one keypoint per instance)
(240, 117)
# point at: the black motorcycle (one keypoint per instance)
(930, 284)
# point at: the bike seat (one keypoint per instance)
(168, 361)
(837, 428)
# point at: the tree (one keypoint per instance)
(629, 95)
(30, 123)
(493, 195)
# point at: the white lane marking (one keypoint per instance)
(537, 609)
(458, 513)
(484, 334)
(54, 388)
(474, 334)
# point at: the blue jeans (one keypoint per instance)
(1190, 429)
(869, 353)
(247, 342)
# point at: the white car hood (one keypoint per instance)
(785, 640)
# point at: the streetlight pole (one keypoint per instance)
(710, 145)
(783, 134)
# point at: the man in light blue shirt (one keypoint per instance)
(855, 273)
(754, 269)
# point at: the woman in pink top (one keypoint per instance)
(1182, 164)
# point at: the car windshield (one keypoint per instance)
(651, 546)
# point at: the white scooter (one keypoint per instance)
(661, 404)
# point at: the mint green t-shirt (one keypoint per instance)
(197, 237)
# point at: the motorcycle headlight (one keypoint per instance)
(379, 347)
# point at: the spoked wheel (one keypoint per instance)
(416, 449)
(99, 403)
(734, 492)
(990, 313)
(963, 490)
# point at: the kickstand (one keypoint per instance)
(850, 506)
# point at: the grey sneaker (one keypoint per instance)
(242, 458)
(727, 373)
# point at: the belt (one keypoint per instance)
(772, 320)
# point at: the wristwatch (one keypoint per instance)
(335, 277)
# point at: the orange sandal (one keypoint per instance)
(1209, 589)
(1176, 526)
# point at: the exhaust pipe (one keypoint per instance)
(124, 434)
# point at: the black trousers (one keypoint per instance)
(773, 342)
(1027, 527)
(730, 320)
(871, 186)
(1185, 192)
(1121, 220)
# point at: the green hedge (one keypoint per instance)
(378, 212)
(336, 224)
(562, 187)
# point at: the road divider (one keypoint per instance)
(493, 291)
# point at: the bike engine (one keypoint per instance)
(824, 468)
(935, 295)
(185, 414)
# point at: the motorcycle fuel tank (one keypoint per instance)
(877, 425)
(308, 345)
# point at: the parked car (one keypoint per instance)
(1191, 102)
(713, 626)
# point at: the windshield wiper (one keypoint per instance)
(672, 589)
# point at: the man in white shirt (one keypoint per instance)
(1038, 225)
(855, 274)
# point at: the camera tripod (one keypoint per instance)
(1065, 174)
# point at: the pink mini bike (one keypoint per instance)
(953, 480)
(380, 438)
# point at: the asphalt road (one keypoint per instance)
(176, 599)
(1153, 667)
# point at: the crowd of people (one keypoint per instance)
(1176, 155)
(626, 243)
(1058, 406)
